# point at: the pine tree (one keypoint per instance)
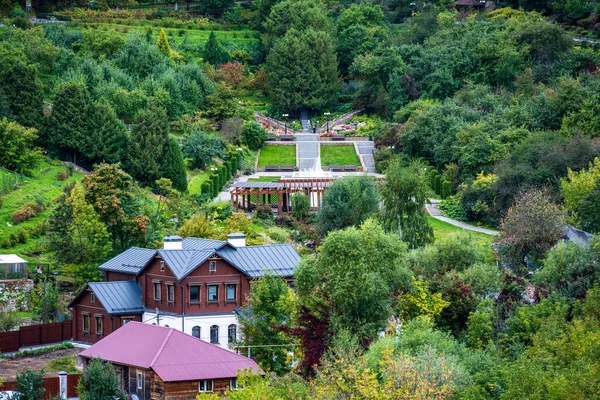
(163, 43)
(69, 122)
(172, 165)
(213, 51)
(24, 93)
(149, 136)
(108, 141)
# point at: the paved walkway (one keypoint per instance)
(366, 149)
(304, 120)
(307, 150)
(434, 211)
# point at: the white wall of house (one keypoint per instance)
(223, 321)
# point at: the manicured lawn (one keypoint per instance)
(441, 229)
(277, 155)
(265, 179)
(339, 155)
(197, 178)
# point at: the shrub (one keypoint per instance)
(23, 214)
(277, 234)
(263, 211)
(300, 206)
(22, 23)
(445, 189)
(452, 209)
(437, 184)
(63, 175)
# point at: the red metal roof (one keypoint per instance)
(173, 355)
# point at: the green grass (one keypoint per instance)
(265, 179)
(197, 178)
(66, 364)
(42, 185)
(277, 155)
(339, 155)
(441, 229)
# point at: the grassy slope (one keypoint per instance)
(265, 179)
(44, 184)
(339, 155)
(197, 178)
(277, 155)
(441, 229)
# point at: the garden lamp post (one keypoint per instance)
(327, 114)
(285, 122)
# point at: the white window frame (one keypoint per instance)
(205, 386)
(233, 384)
(212, 266)
(208, 294)
(190, 294)
(234, 292)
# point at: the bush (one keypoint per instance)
(263, 211)
(437, 184)
(277, 234)
(445, 189)
(300, 206)
(23, 214)
(63, 175)
(22, 23)
(452, 209)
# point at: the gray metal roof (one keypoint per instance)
(259, 185)
(131, 261)
(119, 297)
(182, 262)
(202, 244)
(255, 261)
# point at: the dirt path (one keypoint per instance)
(9, 367)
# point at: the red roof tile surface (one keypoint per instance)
(173, 355)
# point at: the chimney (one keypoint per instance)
(173, 242)
(237, 239)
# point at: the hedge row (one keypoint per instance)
(216, 182)
(439, 185)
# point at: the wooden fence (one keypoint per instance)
(52, 386)
(35, 335)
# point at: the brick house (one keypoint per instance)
(161, 363)
(193, 285)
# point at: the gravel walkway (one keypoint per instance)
(434, 211)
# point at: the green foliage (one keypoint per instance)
(30, 384)
(16, 142)
(404, 194)
(479, 334)
(202, 148)
(23, 91)
(149, 136)
(100, 44)
(99, 382)
(172, 165)
(419, 301)
(253, 135)
(163, 43)
(8, 321)
(348, 202)
(216, 7)
(107, 140)
(589, 210)
(44, 301)
(367, 259)
(300, 206)
(214, 53)
(269, 307)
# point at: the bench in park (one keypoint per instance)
(288, 168)
(338, 137)
(271, 168)
(350, 168)
(335, 168)
(271, 138)
(287, 138)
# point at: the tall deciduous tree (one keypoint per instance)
(172, 165)
(348, 202)
(404, 194)
(69, 124)
(107, 140)
(302, 70)
(202, 148)
(214, 53)
(356, 272)
(531, 227)
(149, 135)
(269, 306)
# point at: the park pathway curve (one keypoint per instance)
(434, 211)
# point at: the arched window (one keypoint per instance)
(196, 332)
(231, 333)
(214, 334)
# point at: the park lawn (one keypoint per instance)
(277, 155)
(197, 178)
(42, 185)
(265, 179)
(339, 155)
(441, 229)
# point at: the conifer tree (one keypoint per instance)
(172, 165)
(69, 122)
(149, 136)
(108, 141)
(163, 43)
(213, 52)
(24, 94)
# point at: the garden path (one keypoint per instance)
(434, 211)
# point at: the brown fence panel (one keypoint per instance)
(9, 386)
(52, 386)
(72, 382)
(52, 333)
(9, 341)
(67, 330)
(31, 335)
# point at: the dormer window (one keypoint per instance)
(93, 300)
(162, 266)
(212, 266)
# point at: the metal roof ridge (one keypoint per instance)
(162, 346)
